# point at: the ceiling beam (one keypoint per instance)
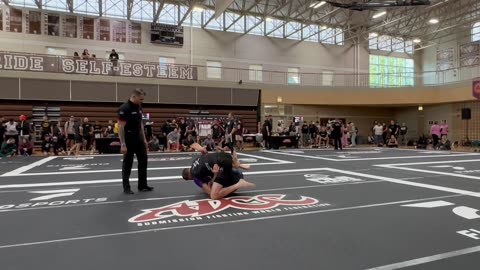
(184, 17)
(158, 10)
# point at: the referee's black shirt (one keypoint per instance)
(131, 114)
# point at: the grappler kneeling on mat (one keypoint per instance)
(217, 174)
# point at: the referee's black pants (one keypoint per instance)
(337, 141)
(135, 146)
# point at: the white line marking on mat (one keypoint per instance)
(434, 172)
(428, 162)
(361, 159)
(118, 180)
(404, 182)
(428, 259)
(119, 170)
(265, 158)
(219, 223)
(433, 204)
(298, 155)
(29, 166)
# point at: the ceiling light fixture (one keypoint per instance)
(319, 4)
(380, 14)
(374, 34)
(198, 9)
(433, 21)
(417, 40)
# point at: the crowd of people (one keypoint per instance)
(76, 136)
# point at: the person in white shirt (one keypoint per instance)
(173, 138)
(378, 131)
(11, 130)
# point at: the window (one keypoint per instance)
(235, 22)
(214, 70)
(255, 73)
(327, 78)
(372, 41)
(114, 8)
(142, 10)
(391, 71)
(166, 60)
(255, 24)
(274, 27)
(87, 7)
(389, 44)
(293, 76)
(23, 3)
(214, 24)
(169, 14)
(310, 33)
(55, 5)
(57, 51)
(194, 19)
(476, 32)
(292, 30)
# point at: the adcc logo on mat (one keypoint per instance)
(238, 206)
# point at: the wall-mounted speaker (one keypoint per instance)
(466, 114)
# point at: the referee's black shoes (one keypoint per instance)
(141, 189)
(145, 188)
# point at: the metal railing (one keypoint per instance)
(70, 65)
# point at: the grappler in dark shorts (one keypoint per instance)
(217, 174)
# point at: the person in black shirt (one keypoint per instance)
(403, 133)
(2, 129)
(87, 134)
(337, 134)
(109, 130)
(97, 133)
(304, 131)
(393, 129)
(230, 130)
(133, 141)
(46, 127)
(215, 173)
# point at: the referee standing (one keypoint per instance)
(132, 138)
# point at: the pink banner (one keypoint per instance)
(476, 88)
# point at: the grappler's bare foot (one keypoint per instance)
(244, 184)
(245, 166)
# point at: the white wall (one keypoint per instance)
(429, 57)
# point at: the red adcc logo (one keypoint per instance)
(205, 207)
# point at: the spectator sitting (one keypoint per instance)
(109, 130)
(393, 141)
(422, 142)
(153, 144)
(11, 130)
(187, 144)
(47, 146)
(222, 145)
(26, 147)
(57, 147)
(445, 144)
(85, 54)
(209, 143)
(9, 148)
(173, 138)
(114, 57)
